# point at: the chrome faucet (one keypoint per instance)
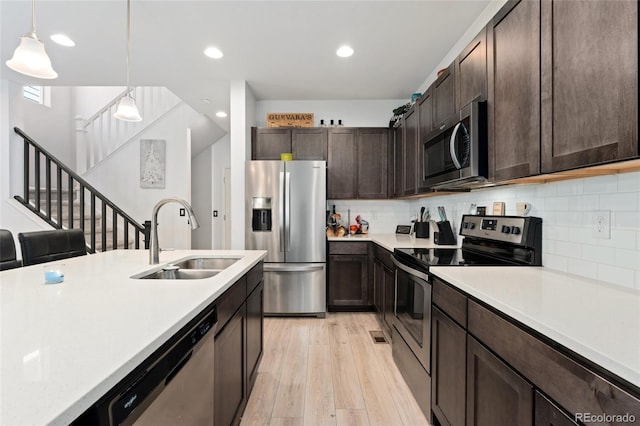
(154, 248)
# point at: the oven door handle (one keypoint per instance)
(410, 270)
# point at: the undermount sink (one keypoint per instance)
(193, 268)
(218, 263)
(180, 274)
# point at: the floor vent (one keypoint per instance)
(377, 336)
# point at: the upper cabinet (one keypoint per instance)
(444, 97)
(471, 71)
(513, 44)
(358, 165)
(304, 143)
(589, 82)
(398, 159)
(410, 151)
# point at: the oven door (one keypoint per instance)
(412, 311)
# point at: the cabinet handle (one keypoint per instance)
(452, 147)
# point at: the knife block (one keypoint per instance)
(444, 236)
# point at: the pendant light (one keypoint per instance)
(30, 58)
(127, 109)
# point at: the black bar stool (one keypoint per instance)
(8, 258)
(47, 246)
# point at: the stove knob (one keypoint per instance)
(472, 225)
(465, 225)
(506, 229)
(515, 230)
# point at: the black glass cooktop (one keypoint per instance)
(423, 258)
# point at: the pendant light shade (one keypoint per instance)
(127, 109)
(30, 58)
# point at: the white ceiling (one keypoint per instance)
(283, 49)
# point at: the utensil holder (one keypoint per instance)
(421, 229)
(444, 236)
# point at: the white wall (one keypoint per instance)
(88, 100)
(123, 187)
(220, 160)
(356, 113)
(201, 190)
(242, 118)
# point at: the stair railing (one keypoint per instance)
(34, 156)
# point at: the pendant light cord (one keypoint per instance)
(33, 16)
(128, 42)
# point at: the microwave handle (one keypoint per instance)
(452, 146)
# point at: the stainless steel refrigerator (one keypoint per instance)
(285, 211)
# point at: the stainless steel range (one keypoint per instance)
(488, 241)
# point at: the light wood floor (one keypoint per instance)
(329, 372)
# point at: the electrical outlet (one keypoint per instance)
(182, 211)
(601, 224)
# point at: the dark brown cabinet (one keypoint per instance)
(358, 164)
(471, 71)
(548, 414)
(444, 97)
(448, 364)
(230, 390)
(513, 46)
(496, 395)
(255, 333)
(410, 152)
(349, 276)
(589, 82)
(398, 159)
(425, 125)
(384, 287)
(304, 143)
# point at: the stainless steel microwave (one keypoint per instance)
(455, 155)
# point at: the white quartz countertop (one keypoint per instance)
(394, 241)
(65, 345)
(599, 321)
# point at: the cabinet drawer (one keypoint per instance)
(254, 276)
(230, 301)
(451, 301)
(359, 247)
(572, 386)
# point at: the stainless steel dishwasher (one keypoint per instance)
(176, 389)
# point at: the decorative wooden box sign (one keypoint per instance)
(289, 119)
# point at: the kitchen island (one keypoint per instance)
(63, 346)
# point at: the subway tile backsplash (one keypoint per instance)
(566, 208)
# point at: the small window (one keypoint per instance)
(38, 94)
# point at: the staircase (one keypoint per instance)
(101, 134)
(65, 200)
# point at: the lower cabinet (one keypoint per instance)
(230, 390)
(548, 414)
(449, 368)
(255, 333)
(348, 287)
(384, 287)
(496, 395)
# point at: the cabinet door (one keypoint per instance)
(268, 144)
(255, 331)
(342, 173)
(471, 71)
(309, 144)
(410, 151)
(444, 97)
(398, 170)
(548, 414)
(448, 370)
(373, 162)
(425, 125)
(230, 392)
(496, 395)
(348, 281)
(514, 90)
(589, 82)
(378, 287)
(389, 298)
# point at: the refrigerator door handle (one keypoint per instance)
(287, 215)
(293, 268)
(281, 209)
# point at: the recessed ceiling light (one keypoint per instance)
(221, 114)
(206, 101)
(213, 52)
(63, 40)
(344, 51)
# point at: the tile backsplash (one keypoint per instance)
(567, 209)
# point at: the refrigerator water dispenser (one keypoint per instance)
(261, 215)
